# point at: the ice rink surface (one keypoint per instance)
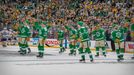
(53, 63)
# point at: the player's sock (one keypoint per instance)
(71, 48)
(82, 57)
(39, 54)
(71, 52)
(90, 54)
(23, 43)
(104, 51)
(122, 50)
(80, 50)
(42, 54)
(39, 46)
(23, 49)
(118, 53)
(74, 49)
(97, 51)
(91, 57)
(27, 46)
(61, 47)
(23, 52)
(82, 54)
(41, 50)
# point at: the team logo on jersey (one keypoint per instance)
(40, 32)
(98, 34)
(118, 34)
(23, 30)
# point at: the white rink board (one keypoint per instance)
(129, 46)
(55, 42)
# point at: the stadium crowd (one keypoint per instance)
(92, 12)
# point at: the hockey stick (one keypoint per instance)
(49, 45)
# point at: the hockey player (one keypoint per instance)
(5, 34)
(73, 38)
(117, 36)
(23, 33)
(42, 34)
(84, 42)
(99, 35)
(61, 38)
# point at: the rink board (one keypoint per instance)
(54, 43)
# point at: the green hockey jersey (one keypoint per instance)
(42, 32)
(60, 34)
(132, 27)
(24, 31)
(99, 34)
(118, 34)
(83, 34)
